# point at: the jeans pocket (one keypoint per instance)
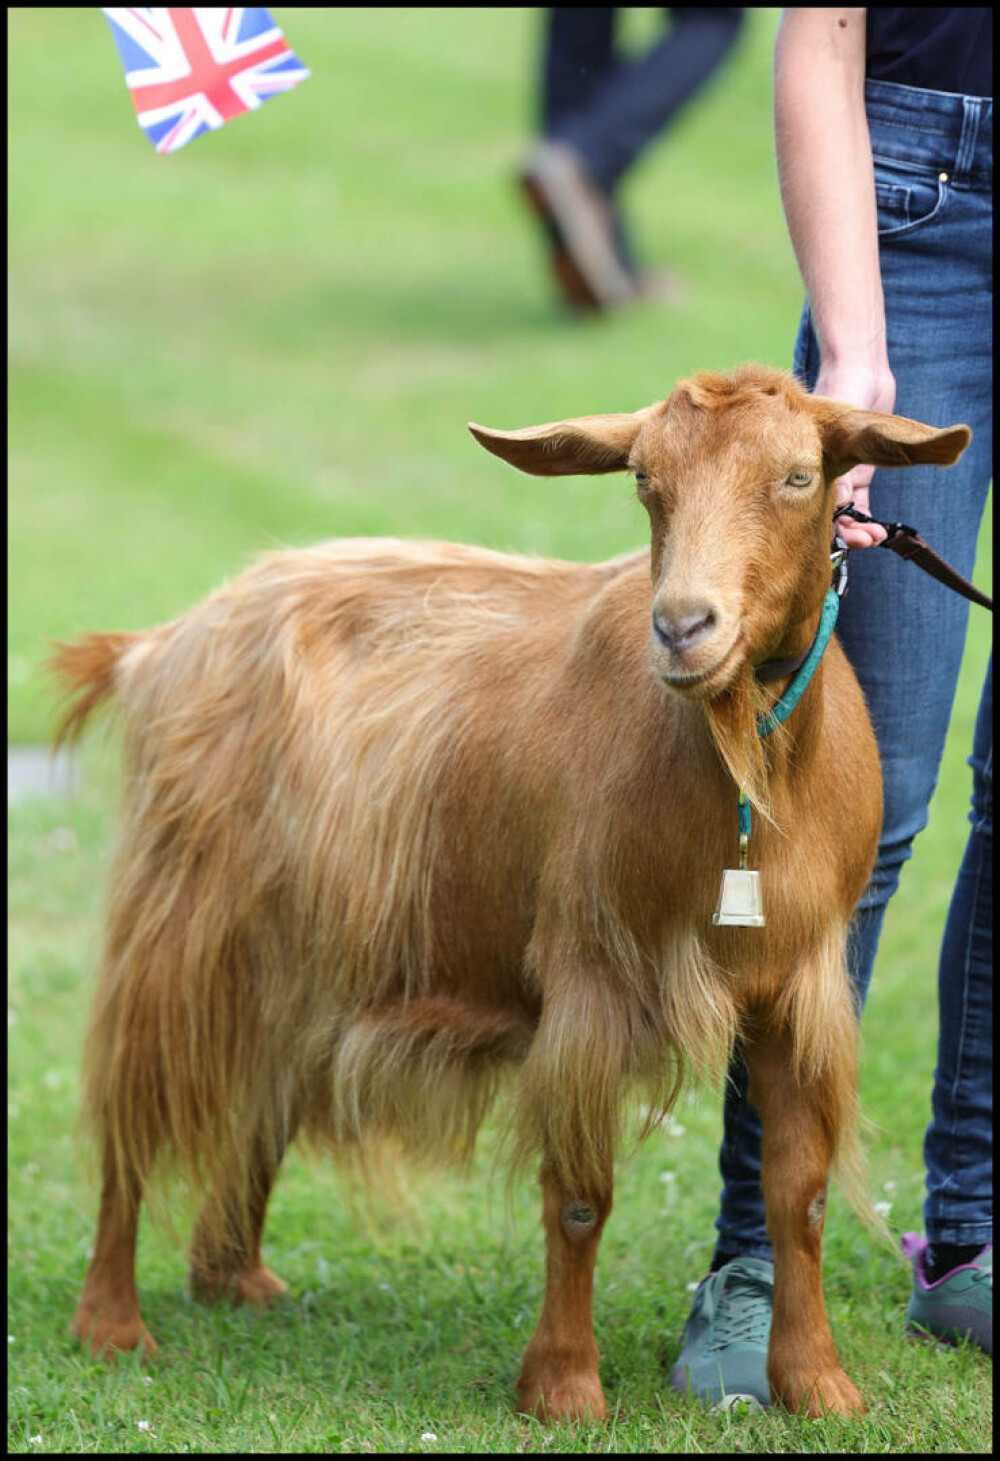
(906, 200)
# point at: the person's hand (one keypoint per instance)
(872, 391)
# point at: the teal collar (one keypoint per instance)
(783, 708)
(780, 711)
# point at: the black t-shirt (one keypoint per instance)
(949, 49)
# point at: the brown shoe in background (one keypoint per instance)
(579, 225)
(657, 286)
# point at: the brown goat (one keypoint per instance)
(398, 815)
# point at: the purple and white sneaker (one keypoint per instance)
(958, 1305)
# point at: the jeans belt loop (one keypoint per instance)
(966, 153)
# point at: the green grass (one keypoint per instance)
(417, 1325)
(278, 335)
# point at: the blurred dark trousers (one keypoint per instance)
(607, 109)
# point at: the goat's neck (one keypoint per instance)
(794, 644)
(732, 718)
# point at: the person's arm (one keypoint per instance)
(827, 186)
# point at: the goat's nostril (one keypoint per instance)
(696, 626)
(683, 629)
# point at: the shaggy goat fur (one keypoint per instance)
(399, 816)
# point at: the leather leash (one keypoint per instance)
(905, 541)
(908, 543)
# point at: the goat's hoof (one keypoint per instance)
(251, 1286)
(109, 1337)
(828, 1393)
(566, 1397)
(259, 1286)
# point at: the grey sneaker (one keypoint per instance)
(723, 1357)
(958, 1305)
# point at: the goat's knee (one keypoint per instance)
(579, 1219)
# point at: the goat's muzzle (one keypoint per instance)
(691, 645)
(679, 630)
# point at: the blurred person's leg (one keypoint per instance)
(598, 112)
(903, 632)
(636, 98)
(579, 55)
(584, 233)
(579, 58)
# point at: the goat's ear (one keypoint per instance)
(878, 439)
(564, 448)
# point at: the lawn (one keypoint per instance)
(274, 336)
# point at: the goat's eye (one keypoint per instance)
(641, 483)
(799, 479)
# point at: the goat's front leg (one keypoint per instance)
(800, 1121)
(559, 1376)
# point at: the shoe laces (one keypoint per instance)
(743, 1311)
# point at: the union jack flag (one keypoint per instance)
(189, 71)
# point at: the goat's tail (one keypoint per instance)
(86, 671)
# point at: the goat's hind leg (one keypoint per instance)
(559, 1378)
(108, 1317)
(225, 1250)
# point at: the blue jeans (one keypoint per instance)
(904, 633)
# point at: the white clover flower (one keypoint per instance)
(35, 1440)
(147, 1379)
(428, 1436)
(888, 1186)
(691, 1287)
(11, 1339)
(145, 1425)
(883, 1209)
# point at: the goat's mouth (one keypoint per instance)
(701, 684)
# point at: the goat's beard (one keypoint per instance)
(732, 720)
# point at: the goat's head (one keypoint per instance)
(737, 475)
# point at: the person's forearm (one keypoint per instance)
(828, 190)
(827, 183)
